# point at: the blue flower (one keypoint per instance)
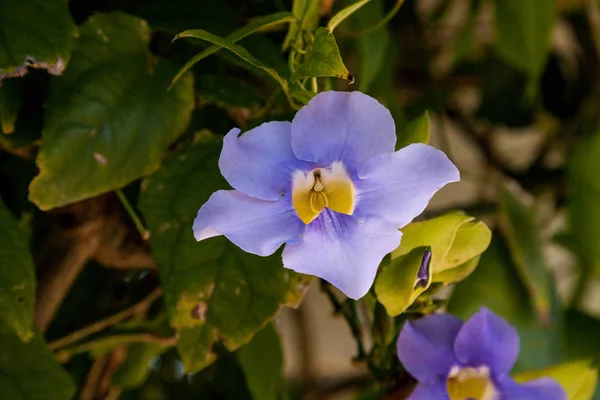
(329, 185)
(472, 360)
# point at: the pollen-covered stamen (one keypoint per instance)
(320, 188)
(470, 384)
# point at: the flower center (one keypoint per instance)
(322, 187)
(470, 384)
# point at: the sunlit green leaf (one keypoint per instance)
(110, 116)
(345, 13)
(28, 371)
(524, 32)
(495, 284)
(454, 238)
(262, 362)
(578, 378)
(324, 59)
(417, 131)
(524, 243)
(17, 277)
(396, 284)
(36, 33)
(213, 290)
(252, 27)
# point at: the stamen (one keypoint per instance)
(470, 384)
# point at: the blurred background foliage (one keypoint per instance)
(105, 294)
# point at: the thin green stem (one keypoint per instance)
(145, 233)
(315, 85)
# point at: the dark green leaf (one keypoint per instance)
(417, 131)
(372, 47)
(324, 59)
(584, 213)
(213, 290)
(136, 367)
(17, 277)
(36, 33)
(582, 340)
(254, 26)
(523, 239)
(28, 371)
(496, 285)
(262, 362)
(226, 91)
(110, 115)
(10, 102)
(524, 32)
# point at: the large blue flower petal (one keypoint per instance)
(398, 186)
(486, 339)
(260, 162)
(343, 250)
(256, 226)
(342, 126)
(540, 389)
(426, 391)
(426, 347)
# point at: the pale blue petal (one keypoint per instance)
(343, 250)
(260, 162)
(426, 391)
(398, 186)
(540, 389)
(256, 226)
(342, 126)
(486, 339)
(426, 346)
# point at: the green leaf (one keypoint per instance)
(17, 277)
(416, 131)
(454, 238)
(578, 378)
(523, 239)
(235, 49)
(213, 290)
(524, 33)
(372, 48)
(135, 369)
(109, 117)
(496, 285)
(307, 13)
(324, 59)
(584, 213)
(226, 91)
(345, 13)
(396, 286)
(28, 371)
(10, 102)
(262, 362)
(582, 339)
(256, 25)
(35, 33)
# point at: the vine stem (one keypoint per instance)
(145, 233)
(116, 340)
(136, 309)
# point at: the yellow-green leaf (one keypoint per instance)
(416, 131)
(578, 378)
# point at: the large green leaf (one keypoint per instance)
(495, 284)
(584, 213)
(324, 59)
(10, 102)
(213, 290)
(581, 340)
(523, 239)
(29, 371)
(37, 33)
(262, 362)
(109, 117)
(17, 277)
(372, 47)
(524, 32)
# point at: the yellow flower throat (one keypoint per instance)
(470, 384)
(322, 188)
